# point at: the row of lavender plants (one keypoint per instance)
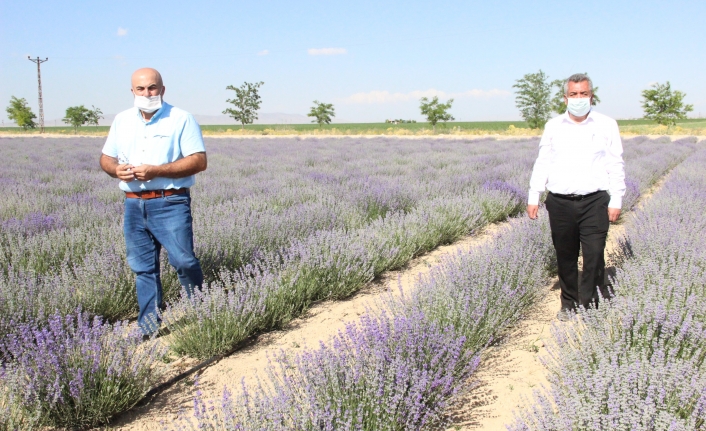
(637, 363)
(398, 369)
(29, 388)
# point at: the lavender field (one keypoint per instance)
(279, 224)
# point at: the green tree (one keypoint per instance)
(94, 115)
(246, 103)
(21, 113)
(557, 103)
(435, 111)
(663, 105)
(322, 113)
(533, 99)
(77, 116)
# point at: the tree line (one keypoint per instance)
(77, 116)
(247, 102)
(536, 97)
(536, 103)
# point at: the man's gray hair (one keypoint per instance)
(577, 77)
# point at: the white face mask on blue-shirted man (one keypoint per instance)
(148, 104)
(148, 89)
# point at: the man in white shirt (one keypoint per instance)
(580, 163)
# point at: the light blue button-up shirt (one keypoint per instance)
(171, 134)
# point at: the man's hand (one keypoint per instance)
(532, 211)
(189, 165)
(124, 172)
(145, 172)
(613, 214)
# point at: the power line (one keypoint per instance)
(39, 79)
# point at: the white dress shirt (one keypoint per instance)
(580, 158)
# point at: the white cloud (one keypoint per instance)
(327, 51)
(263, 52)
(122, 31)
(378, 97)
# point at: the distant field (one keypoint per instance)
(378, 127)
(690, 126)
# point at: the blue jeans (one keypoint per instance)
(149, 225)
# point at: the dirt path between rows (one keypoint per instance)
(511, 370)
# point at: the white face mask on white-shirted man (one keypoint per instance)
(148, 104)
(578, 106)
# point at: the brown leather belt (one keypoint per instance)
(151, 194)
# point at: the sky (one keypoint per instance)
(372, 59)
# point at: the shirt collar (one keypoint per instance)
(568, 119)
(155, 117)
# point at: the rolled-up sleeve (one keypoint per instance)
(615, 166)
(540, 172)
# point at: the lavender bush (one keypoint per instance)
(385, 373)
(479, 293)
(73, 372)
(216, 318)
(637, 363)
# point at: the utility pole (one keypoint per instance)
(39, 78)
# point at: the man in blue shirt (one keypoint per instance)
(155, 150)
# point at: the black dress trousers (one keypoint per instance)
(579, 223)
